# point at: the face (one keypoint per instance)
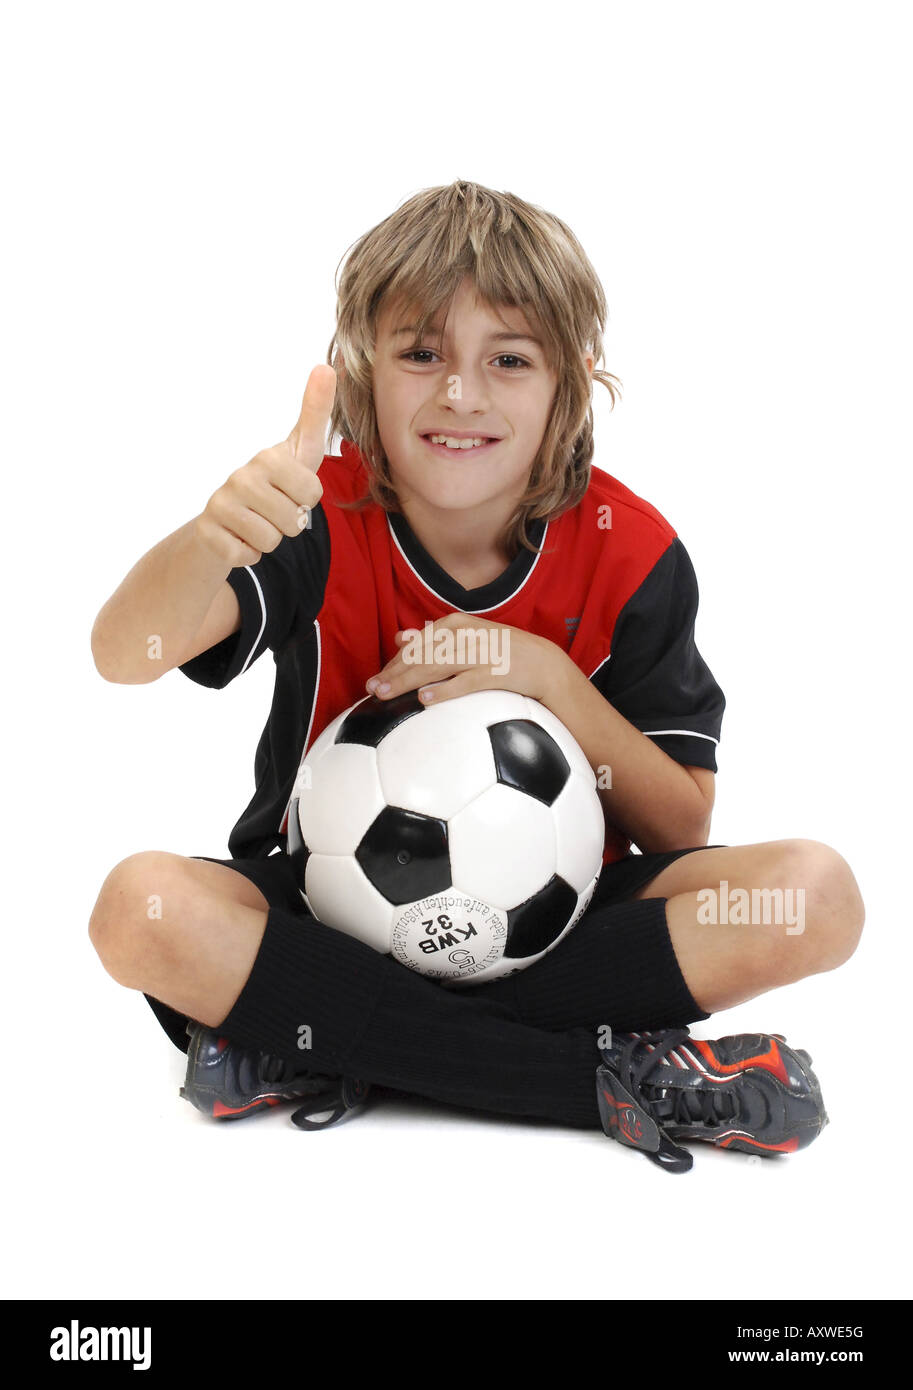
(486, 378)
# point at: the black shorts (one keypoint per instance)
(274, 876)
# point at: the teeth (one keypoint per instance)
(457, 443)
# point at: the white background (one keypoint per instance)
(182, 182)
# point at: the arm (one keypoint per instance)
(173, 604)
(653, 800)
(176, 602)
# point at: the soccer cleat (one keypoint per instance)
(228, 1082)
(748, 1091)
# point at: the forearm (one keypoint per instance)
(150, 620)
(650, 798)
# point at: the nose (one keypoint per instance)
(465, 390)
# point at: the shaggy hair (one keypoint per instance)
(517, 255)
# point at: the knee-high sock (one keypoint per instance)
(617, 967)
(372, 1018)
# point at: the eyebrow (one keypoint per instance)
(492, 337)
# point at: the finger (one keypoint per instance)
(316, 406)
(291, 477)
(400, 676)
(280, 490)
(389, 675)
(461, 684)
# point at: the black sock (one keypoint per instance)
(617, 967)
(369, 1017)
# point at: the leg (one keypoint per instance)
(725, 964)
(196, 936)
(650, 961)
(184, 930)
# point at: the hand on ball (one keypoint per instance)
(463, 652)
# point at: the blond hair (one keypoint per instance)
(516, 254)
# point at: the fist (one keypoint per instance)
(271, 496)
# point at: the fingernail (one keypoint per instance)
(372, 684)
(382, 688)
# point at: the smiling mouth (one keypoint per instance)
(448, 444)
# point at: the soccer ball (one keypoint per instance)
(464, 839)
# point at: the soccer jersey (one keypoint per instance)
(611, 585)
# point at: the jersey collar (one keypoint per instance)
(492, 595)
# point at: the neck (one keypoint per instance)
(463, 541)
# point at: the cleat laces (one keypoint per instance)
(678, 1105)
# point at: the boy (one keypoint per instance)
(463, 494)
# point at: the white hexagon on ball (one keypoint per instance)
(337, 892)
(434, 775)
(579, 830)
(340, 798)
(441, 759)
(502, 845)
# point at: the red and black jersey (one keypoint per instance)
(612, 586)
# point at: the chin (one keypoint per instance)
(450, 501)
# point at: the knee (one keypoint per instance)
(833, 912)
(123, 926)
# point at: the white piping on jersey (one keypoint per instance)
(262, 621)
(443, 600)
(689, 733)
(307, 736)
(655, 733)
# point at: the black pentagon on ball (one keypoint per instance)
(405, 855)
(528, 758)
(535, 924)
(298, 851)
(372, 719)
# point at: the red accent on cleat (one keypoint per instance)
(625, 1119)
(789, 1146)
(771, 1060)
(219, 1109)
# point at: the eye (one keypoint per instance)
(418, 352)
(513, 357)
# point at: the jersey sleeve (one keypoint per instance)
(655, 676)
(278, 596)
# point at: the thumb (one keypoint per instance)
(309, 431)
